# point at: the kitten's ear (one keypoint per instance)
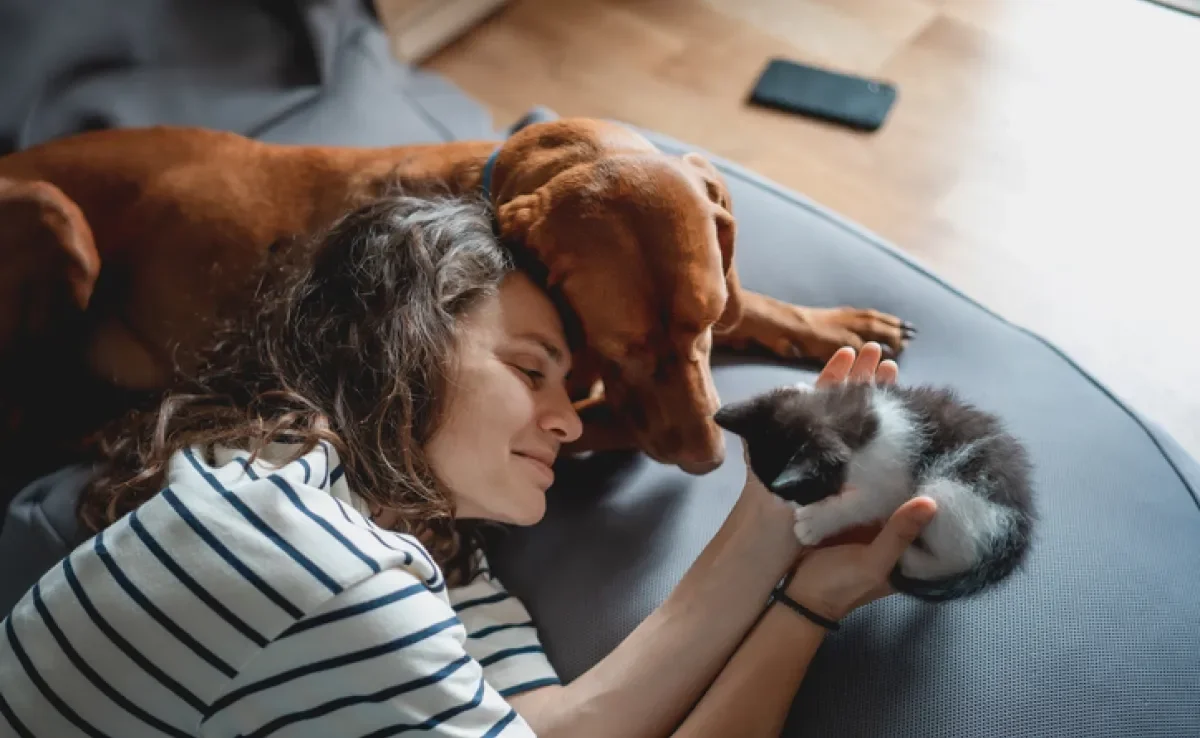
(793, 475)
(741, 418)
(819, 465)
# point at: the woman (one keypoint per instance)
(285, 530)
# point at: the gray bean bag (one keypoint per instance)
(1100, 636)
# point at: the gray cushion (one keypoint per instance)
(296, 71)
(39, 530)
(1101, 634)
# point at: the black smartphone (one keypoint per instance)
(857, 102)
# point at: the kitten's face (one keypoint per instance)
(797, 438)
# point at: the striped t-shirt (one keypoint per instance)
(254, 600)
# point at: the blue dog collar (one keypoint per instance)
(485, 183)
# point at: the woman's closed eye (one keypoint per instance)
(533, 375)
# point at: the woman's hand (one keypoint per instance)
(834, 580)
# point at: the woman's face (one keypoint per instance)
(508, 410)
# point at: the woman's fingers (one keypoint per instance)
(866, 363)
(837, 368)
(899, 532)
(887, 373)
(859, 366)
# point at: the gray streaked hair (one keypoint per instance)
(360, 330)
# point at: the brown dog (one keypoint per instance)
(122, 247)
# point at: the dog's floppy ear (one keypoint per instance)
(530, 220)
(726, 227)
(520, 215)
(732, 314)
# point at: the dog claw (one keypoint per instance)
(795, 352)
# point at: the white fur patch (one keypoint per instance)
(883, 466)
(963, 530)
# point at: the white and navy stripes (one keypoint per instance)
(252, 600)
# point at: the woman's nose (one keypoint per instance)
(559, 417)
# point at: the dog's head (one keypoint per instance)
(641, 245)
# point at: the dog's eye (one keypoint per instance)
(714, 192)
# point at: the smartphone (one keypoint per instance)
(857, 102)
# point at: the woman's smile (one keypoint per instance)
(542, 468)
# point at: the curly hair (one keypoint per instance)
(352, 343)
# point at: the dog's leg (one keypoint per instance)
(47, 256)
(798, 332)
(48, 268)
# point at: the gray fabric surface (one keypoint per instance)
(282, 70)
(39, 530)
(1099, 637)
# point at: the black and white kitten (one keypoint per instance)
(881, 446)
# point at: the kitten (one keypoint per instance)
(889, 444)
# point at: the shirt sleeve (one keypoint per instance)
(502, 637)
(385, 657)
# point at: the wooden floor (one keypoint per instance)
(1044, 155)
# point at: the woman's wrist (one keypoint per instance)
(800, 623)
(797, 599)
(761, 516)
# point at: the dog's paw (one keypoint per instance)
(807, 526)
(820, 332)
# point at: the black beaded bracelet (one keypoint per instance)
(778, 595)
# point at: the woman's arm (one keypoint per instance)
(649, 683)
(752, 695)
(753, 691)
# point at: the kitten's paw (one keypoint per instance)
(806, 529)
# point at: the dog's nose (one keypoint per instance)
(699, 468)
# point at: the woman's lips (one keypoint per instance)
(540, 467)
